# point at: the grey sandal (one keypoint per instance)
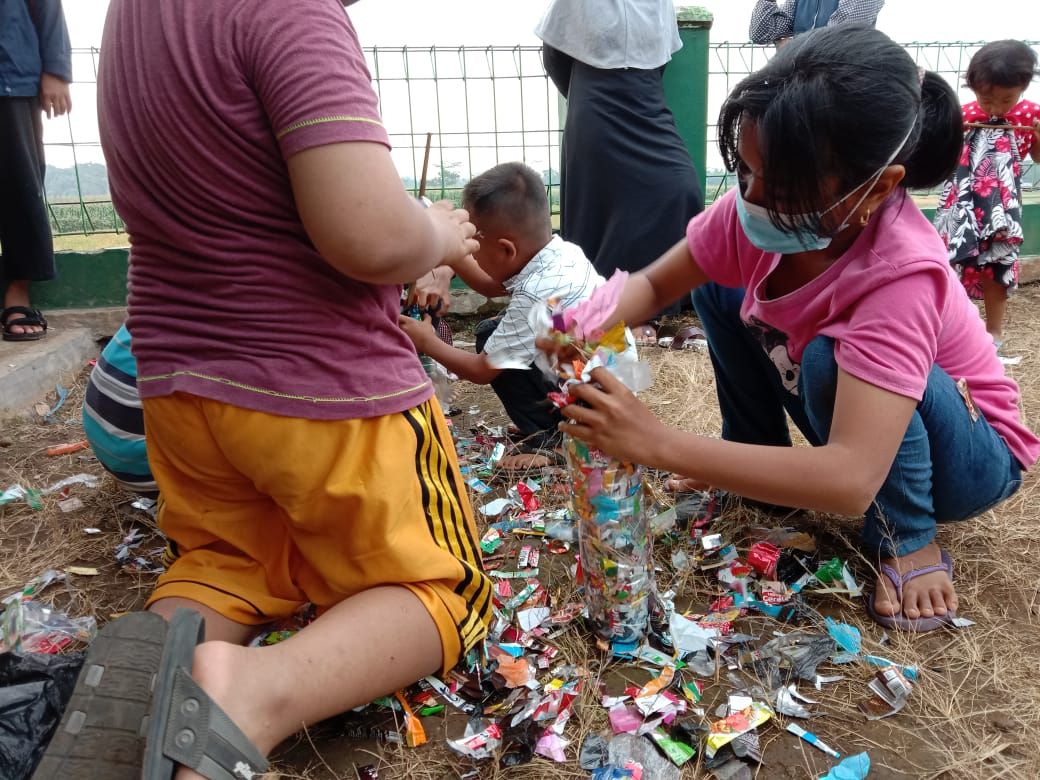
(137, 713)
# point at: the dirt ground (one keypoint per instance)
(973, 713)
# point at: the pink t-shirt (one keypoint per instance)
(892, 304)
(201, 102)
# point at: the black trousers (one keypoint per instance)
(523, 395)
(628, 187)
(26, 246)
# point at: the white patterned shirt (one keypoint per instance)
(772, 22)
(560, 270)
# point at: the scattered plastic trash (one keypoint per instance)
(812, 739)
(855, 767)
(791, 703)
(594, 753)
(478, 744)
(31, 627)
(48, 413)
(626, 749)
(36, 585)
(736, 723)
(891, 691)
(68, 449)
(18, 493)
(72, 504)
(87, 480)
(847, 637)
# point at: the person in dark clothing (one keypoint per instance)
(628, 185)
(35, 72)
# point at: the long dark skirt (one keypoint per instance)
(628, 185)
(26, 246)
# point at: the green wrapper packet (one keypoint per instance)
(678, 752)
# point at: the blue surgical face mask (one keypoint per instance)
(761, 231)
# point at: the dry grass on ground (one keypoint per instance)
(973, 714)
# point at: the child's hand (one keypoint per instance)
(419, 332)
(562, 352)
(433, 291)
(1036, 130)
(613, 420)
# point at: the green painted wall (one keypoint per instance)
(686, 84)
(86, 280)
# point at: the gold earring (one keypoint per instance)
(865, 219)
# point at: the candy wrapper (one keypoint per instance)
(728, 729)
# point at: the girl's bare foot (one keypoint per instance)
(924, 596)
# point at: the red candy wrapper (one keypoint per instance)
(763, 557)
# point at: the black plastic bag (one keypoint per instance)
(34, 690)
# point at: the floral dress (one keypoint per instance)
(980, 211)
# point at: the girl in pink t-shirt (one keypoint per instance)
(980, 211)
(826, 294)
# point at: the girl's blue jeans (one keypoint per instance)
(949, 467)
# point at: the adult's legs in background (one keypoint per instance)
(25, 232)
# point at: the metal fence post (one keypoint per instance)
(686, 84)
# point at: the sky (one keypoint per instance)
(391, 23)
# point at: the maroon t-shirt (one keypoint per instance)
(200, 103)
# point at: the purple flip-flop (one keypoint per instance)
(897, 621)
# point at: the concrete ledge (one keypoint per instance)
(30, 369)
(102, 323)
(466, 303)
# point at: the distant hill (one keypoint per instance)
(61, 182)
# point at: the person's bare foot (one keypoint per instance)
(524, 461)
(926, 596)
(17, 294)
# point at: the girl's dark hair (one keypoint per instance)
(1002, 64)
(836, 103)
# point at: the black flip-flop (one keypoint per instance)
(137, 713)
(30, 318)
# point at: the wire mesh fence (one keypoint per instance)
(729, 63)
(481, 105)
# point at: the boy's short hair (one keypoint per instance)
(511, 192)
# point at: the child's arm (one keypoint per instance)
(435, 286)
(1034, 151)
(471, 367)
(843, 476)
(666, 280)
(364, 223)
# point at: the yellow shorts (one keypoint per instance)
(269, 513)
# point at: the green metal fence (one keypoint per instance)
(483, 105)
